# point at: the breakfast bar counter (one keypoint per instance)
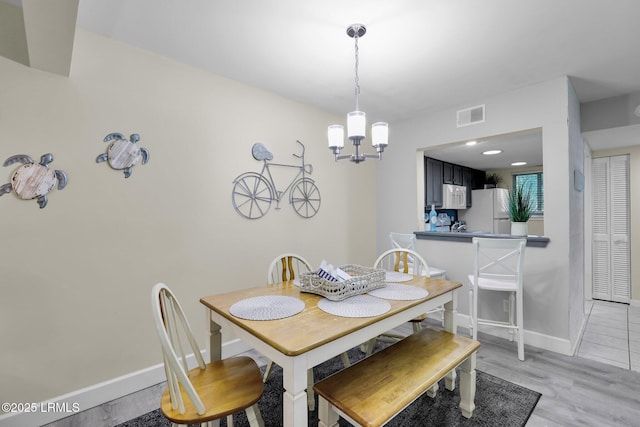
(467, 236)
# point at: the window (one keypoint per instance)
(535, 183)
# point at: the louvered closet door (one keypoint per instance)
(611, 229)
(620, 229)
(601, 249)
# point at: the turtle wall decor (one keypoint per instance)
(33, 180)
(122, 153)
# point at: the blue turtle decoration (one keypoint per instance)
(33, 180)
(123, 154)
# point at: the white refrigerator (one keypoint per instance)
(488, 211)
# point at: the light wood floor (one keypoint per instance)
(575, 391)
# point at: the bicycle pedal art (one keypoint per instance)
(253, 192)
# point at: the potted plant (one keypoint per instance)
(520, 204)
(492, 180)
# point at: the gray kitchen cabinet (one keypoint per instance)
(467, 181)
(451, 173)
(433, 182)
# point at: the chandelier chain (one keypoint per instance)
(357, 80)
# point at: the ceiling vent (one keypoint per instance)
(471, 116)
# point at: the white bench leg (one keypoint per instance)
(327, 417)
(468, 386)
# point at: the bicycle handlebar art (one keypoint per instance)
(253, 192)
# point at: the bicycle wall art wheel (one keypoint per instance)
(251, 195)
(305, 198)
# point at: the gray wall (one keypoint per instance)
(610, 113)
(549, 270)
(576, 223)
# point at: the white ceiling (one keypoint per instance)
(516, 147)
(417, 55)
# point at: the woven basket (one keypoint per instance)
(363, 280)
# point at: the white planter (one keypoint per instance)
(519, 228)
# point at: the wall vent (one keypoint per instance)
(471, 116)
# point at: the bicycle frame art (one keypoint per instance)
(253, 192)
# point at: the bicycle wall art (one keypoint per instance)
(253, 192)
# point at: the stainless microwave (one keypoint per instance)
(454, 196)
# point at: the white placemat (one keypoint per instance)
(399, 292)
(355, 306)
(395, 276)
(267, 307)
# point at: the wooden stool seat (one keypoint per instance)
(374, 390)
(227, 386)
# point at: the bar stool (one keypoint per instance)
(498, 266)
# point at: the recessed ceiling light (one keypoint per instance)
(471, 143)
(518, 163)
(491, 152)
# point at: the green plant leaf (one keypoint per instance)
(520, 203)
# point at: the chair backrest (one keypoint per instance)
(401, 240)
(285, 267)
(399, 259)
(175, 332)
(499, 259)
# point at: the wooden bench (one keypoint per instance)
(374, 390)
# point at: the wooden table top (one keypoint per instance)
(312, 327)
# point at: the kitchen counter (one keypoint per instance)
(466, 236)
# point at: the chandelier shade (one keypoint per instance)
(357, 120)
(357, 124)
(380, 134)
(335, 134)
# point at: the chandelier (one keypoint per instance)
(357, 121)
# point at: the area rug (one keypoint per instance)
(498, 403)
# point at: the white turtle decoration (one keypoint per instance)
(123, 153)
(33, 180)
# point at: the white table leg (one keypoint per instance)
(215, 341)
(468, 386)
(450, 325)
(294, 399)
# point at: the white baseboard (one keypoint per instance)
(576, 344)
(536, 339)
(86, 398)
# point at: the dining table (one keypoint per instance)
(312, 336)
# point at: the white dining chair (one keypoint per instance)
(210, 391)
(408, 241)
(398, 260)
(286, 266)
(498, 266)
(289, 266)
